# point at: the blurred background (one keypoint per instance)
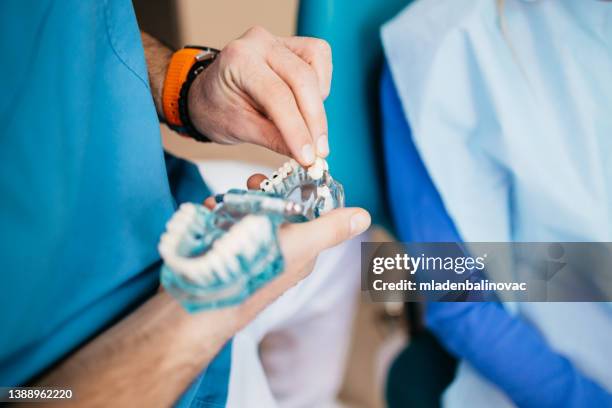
(378, 330)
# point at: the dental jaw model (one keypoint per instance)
(210, 263)
(218, 258)
(314, 187)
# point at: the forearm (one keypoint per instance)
(148, 358)
(157, 56)
(151, 356)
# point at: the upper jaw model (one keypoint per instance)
(217, 258)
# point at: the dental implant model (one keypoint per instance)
(217, 258)
(313, 188)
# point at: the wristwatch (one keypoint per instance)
(186, 64)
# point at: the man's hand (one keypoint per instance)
(301, 243)
(268, 91)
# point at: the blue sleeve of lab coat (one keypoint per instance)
(505, 349)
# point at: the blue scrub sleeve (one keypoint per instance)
(505, 349)
(84, 188)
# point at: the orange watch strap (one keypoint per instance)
(178, 70)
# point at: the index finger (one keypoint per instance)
(270, 92)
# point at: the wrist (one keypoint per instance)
(185, 67)
(158, 58)
(157, 85)
(190, 329)
(196, 100)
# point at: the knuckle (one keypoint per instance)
(257, 31)
(303, 77)
(321, 48)
(235, 51)
(280, 93)
(305, 82)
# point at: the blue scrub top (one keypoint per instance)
(85, 187)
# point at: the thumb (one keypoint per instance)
(305, 241)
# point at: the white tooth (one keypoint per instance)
(276, 179)
(228, 256)
(266, 185)
(191, 269)
(274, 175)
(176, 216)
(323, 191)
(204, 272)
(242, 241)
(178, 264)
(322, 163)
(248, 226)
(249, 247)
(287, 167)
(187, 207)
(164, 250)
(315, 171)
(215, 264)
(325, 164)
(176, 226)
(231, 242)
(181, 219)
(294, 165)
(283, 172)
(239, 228)
(188, 212)
(252, 231)
(229, 246)
(173, 221)
(251, 236)
(169, 239)
(261, 228)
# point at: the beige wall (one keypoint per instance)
(215, 23)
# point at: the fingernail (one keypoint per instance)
(322, 145)
(359, 223)
(308, 154)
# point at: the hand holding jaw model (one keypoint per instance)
(219, 257)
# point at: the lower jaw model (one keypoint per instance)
(218, 258)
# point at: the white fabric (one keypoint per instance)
(293, 354)
(516, 132)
